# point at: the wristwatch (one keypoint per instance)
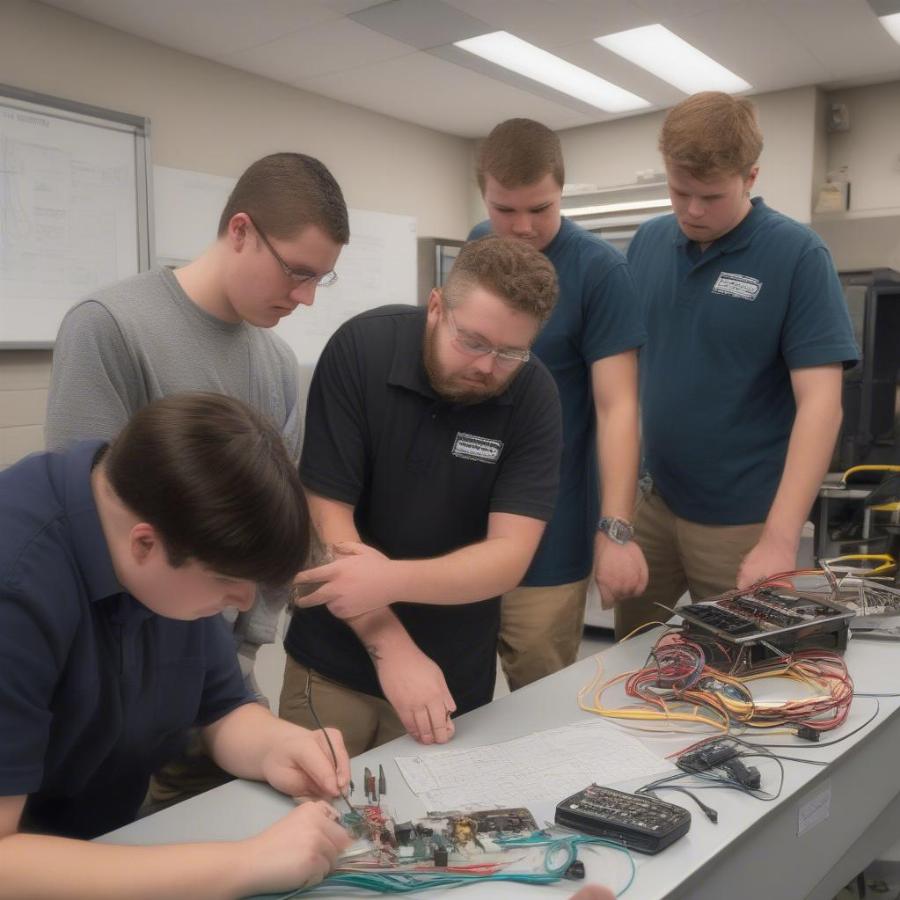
(617, 530)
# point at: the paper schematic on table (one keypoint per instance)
(546, 765)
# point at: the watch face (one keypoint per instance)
(619, 531)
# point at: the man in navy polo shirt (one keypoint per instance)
(741, 374)
(114, 563)
(433, 436)
(590, 347)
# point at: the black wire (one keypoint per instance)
(321, 728)
(708, 811)
(817, 745)
(812, 762)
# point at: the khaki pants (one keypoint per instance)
(540, 630)
(363, 720)
(681, 556)
(186, 776)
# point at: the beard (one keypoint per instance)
(451, 387)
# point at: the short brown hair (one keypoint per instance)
(519, 152)
(513, 270)
(214, 478)
(284, 193)
(712, 134)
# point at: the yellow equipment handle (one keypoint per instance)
(887, 563)
(854, 469)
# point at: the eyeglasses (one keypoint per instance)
(507, 357)
(298, 276)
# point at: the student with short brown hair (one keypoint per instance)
(590, 347)
(115, 562)
(741, 374)
(431, 462)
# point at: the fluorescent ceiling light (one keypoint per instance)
(891, 25)
(667, 56)
(616, 207)
(513, 53)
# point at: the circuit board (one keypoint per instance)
(442, 840)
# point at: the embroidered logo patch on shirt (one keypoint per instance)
(479, 449)
(744, 287)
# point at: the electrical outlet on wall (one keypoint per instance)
(838, 117)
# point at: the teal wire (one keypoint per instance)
(407, 882)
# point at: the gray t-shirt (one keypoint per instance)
(143, 339)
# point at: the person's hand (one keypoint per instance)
(620, 570)
(359, 580)
(594, 892)
(415, 686)
(770, 556)
(300, 764)
(297, 851)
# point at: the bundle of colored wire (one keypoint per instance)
(678, 685)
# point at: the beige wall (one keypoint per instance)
(211, 118)
(871, 148)
(869, 234)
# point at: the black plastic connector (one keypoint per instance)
(746, 776)
(808, 734)
(575, 872)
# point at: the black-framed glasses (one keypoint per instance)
(472, 345)
(298, 276)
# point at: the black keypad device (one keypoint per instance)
(638, 821)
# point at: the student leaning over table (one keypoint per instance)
(747, 333)
(207, 327)
(433, 436)
(589, 344)
(114, 565)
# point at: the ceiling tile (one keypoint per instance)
(420, 23)
(207, 28)
(843, 35)
(671, 10)
(331, 47)
(345, 7)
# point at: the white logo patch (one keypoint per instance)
(479, 449)
(744, 287)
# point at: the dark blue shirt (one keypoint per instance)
(597, 315)
(96, 691)
(725, 329)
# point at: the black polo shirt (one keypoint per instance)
(423, 475)
(96, 691)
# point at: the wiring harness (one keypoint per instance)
(678, 684)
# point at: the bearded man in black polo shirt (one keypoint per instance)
(431, 463)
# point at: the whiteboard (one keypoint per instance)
(377, 267)
(73, 209)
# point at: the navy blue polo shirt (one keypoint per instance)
(96, 691)
(725, 329)
(423, 475)
(597, 315)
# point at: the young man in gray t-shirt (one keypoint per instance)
(205, 326)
